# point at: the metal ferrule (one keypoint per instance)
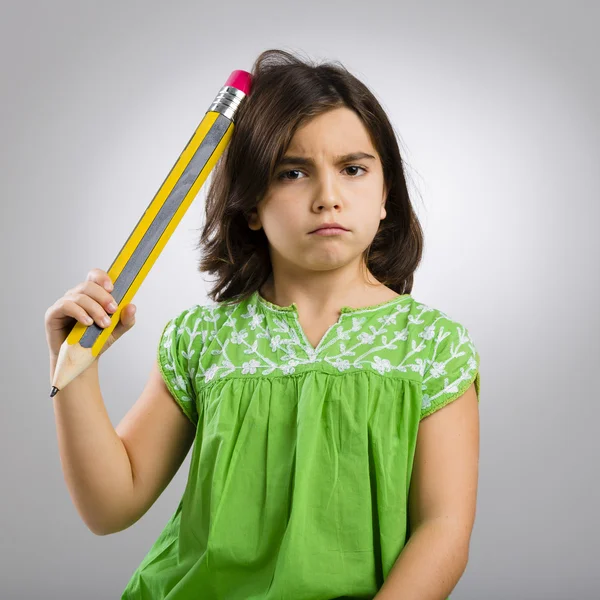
(227, 101)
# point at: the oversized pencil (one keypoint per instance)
(146, 241)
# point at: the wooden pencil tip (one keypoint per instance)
(54, 391)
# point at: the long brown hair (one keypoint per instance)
(286, 93)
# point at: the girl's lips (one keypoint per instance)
(330, 231)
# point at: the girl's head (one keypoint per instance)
(286, 171)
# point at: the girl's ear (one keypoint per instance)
(254, 220)
(383, 213)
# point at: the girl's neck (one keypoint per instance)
(319, 303)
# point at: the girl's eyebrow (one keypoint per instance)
(301, 160)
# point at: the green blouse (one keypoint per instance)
(302, 460)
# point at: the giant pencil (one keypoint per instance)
(146, 241)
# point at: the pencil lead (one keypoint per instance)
(53, 392)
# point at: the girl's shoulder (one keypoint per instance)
(451, 357)
(200, 317)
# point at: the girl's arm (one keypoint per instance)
(114, 476)
(442, 500)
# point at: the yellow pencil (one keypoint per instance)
(146, 241)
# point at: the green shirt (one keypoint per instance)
(302, 460)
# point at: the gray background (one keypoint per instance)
(496, 107)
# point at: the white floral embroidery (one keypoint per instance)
(367, 338)
(381, 365)
(178, 381)
(439, 368)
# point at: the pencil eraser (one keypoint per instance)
(240, 80)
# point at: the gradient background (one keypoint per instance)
(497, 110)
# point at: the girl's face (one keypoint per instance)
(317, 185)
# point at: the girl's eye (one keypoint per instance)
(283, 174)
(356, 167)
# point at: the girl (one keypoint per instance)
(309, 385)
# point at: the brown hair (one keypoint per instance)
(287, 92)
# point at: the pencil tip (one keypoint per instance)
(53, 392)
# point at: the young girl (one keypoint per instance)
(308, 387)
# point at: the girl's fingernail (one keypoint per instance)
(108, 285)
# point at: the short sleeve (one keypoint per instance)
(177, 356)
(452, 367)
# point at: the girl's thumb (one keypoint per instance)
(128, 316)
(126, 321)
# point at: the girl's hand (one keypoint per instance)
(87, 302)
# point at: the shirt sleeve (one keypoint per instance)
(177, 356)
(452, 367)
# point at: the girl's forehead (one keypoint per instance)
(337, 142)
(335, 134)
(341, 121)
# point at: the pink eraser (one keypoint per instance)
(241, 80)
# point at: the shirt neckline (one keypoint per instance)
(293, 308)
